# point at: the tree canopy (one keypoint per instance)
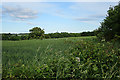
(110, 27)
(36, 33)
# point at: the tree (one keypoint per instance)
(36, 33)
(110, 27)
(15, 37)
(6, 36)
(24, 37)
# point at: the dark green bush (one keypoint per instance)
(14, 38)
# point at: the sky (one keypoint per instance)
(72, 17)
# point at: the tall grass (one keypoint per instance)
(84, 57)
(0, 58)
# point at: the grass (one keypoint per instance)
(0, 59)
(76, 57)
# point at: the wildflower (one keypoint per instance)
(103, 40)
(23, 65)
(77, 59)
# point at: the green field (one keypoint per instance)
(75, 57)
(0, 59)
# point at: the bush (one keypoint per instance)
(15, 38)
(24, 37)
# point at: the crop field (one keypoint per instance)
(75, 57)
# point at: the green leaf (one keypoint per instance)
(95, 68)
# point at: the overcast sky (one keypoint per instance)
(19, 17)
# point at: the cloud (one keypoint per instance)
(0, 11)
(91, 18)
(85, 19)
(82, 11)
(19, 13)
(98, 16)
(30, 23)
(24, 11)
(94, 11)
(0, 15)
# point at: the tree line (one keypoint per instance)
(34, 34)
(66, 34)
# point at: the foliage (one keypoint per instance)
(80, 57)
(97, 59)
(9, 36)
(6, 36)
(36, 33)
(24, 37)
(65, 34)
(14, 37)
(87, 33)
(111, 24)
